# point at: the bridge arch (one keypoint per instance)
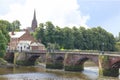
(116, 65)
(59, 58)
(82, 60)
(32, 59)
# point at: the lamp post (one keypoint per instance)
(103, 48)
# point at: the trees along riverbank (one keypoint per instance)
(75, 38)
(5, 27)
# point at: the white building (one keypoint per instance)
(23, 46)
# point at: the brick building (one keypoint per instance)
(23, 41)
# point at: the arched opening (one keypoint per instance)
(116, 65)
(87, 62)
(59, 59)
(9, 57)
(31, 60)
(78, 64)
(88, 66)
(59, 62)
(115, 69)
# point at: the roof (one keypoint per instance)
(16, 34)
(25, 42)
(37, 44)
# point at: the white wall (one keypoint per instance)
(23, 47)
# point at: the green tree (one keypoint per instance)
(77, 38)
(16, 25)
(4, 28)
(59, 39)
(6, 25)
(68, 38)
(2, 45)
(50, 32)
(40, 33)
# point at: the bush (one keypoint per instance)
(2, 61)
(54, 66)
(76, 68)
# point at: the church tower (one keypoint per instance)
(34, 22)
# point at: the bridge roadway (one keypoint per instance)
(75, 52)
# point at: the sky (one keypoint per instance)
(87, 13)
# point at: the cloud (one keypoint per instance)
(59, 12)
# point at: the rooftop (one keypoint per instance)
(16, 34)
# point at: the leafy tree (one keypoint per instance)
(117, 46)
(2, 45)
(68, 38)
(40, 33)
(6, 25)
(59, 39)
(16, 25)
(50, 32)
(75, 38)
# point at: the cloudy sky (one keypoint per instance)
(87, 13)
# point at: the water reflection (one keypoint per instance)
(37, 73)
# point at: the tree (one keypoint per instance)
(2, 45)
(50, 32)
(40, 33)
(68, 38)
(75, 38)
(16, 25)
(6, 25)
(59, 39)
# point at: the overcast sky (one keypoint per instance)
(87, 13)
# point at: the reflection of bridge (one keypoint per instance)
(108, 64)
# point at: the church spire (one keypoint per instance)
(34, 22)
(34, 17)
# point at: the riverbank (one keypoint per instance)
(5, 64)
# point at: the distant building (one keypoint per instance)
(23, 41)
(34, 22)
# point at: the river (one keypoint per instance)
(39, 73)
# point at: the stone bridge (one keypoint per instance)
(108, 63)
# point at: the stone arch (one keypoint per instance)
(116, 65)
(32, 59)
(56, 63)
(59, 58)
(82, 60)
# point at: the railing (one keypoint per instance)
(68, 51)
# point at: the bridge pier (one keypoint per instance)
(72, 65)
(104, 67)
(54, 62)
(76, 68)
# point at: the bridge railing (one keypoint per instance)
(30, 51)
(68, 51)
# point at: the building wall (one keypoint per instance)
(23, 47)
(27, 36)
(13, 43)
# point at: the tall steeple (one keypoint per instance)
(34, 22)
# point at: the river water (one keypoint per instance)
(40, 73)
